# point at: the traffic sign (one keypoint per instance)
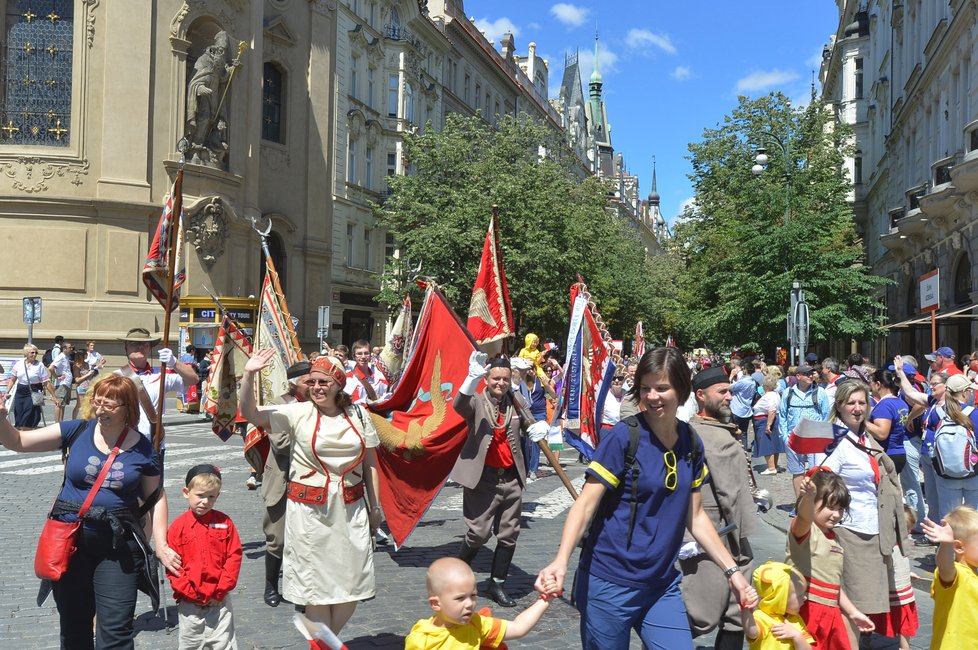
(32, 310)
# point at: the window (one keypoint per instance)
(468, 81)
(859, 78)
(487, 106)
(392, 95)
(372, 19)
(368, 162)
(389, 246)
(367, 236)
(355, 5)
(496, 113)
(453, 75)
(370, 87)
(408, 103)
(350, 233)
(354, 64)
(35, 73)
(478, 94)
(857, 170)
(351, 161)
(271, 103)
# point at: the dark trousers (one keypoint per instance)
(100, 584)
(744, 425)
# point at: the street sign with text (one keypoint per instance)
(32, 310)
(930, 290)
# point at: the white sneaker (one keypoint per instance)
(252, 483)
(769, 472)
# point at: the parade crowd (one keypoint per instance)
(880, 456)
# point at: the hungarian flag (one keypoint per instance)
(639, 348)
(156, 270)
(421, 435)
(490, 314)
(588, 372)
(231, 352)
(398, 347)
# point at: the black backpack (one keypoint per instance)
(48, 358)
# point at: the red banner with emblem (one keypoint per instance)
(490, 312)
(421, 435)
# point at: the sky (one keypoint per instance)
(670, 69)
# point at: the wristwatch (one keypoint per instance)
(729, 572)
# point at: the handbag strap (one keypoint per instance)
(101, 476)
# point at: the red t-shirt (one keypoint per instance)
(499, 454)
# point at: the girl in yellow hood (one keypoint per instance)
(775, 623)
(531, 351)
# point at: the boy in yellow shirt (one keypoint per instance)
(456, 625)
(775, 623)
(955, 586)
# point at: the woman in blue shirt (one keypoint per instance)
(627, 578)
(109, 562)
(888, 420)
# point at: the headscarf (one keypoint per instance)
(331, 367)
(532, 352)
(772, 581)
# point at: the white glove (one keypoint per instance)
(538, 431)
(477, 370)
(690, 549)
(166, 358)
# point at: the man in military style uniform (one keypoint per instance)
(490, 466)
(727, 499)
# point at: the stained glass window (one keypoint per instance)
(35, 72)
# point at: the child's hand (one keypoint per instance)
(939, 534)
(785, 632)
(550, 589)
(862, 621)
(807, 487)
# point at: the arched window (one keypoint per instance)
(272, 95)
(962, 281)
(276, 249)
(35, 72)
(408, 103)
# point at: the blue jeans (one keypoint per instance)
(798, 464)
(957, 491)
(610, 612)
(531, 455)
(932, 495)
(909, 479)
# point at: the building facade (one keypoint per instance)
(900, 74)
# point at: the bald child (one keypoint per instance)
(456, 625)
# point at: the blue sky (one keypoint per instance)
(670, 69)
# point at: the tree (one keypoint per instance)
(749, 237)
(552, 224)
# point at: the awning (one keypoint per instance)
(923, 320)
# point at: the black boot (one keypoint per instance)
(729, 640)
(501, 560)
(273, 565)
(467, 553)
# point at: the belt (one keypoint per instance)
(499, 471)
(317, 495)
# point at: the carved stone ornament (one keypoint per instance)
(323, 6)
(208, 230)
(31, 174)
(928, 257)
(905, 269)
(90, 6)
(956, 240)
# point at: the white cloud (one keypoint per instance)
(494, 29)
(607, 63)
(764, 79)
(814, 62)
(689, 204)
(570, 15)
(644, 39)
(681, 73)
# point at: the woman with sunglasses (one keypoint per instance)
(28, 378)
(873, 530)
(333, 498)
(110, 561)
(627, 577)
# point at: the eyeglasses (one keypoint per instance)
(672, 478)
(112, 408)
(319, 382)
(617, 380)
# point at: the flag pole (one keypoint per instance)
(177, 213)
(276, 285)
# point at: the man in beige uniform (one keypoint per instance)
(729, 502)
(490, 466)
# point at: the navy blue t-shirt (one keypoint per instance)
(897, 412)
(660, 513)
(121, 488)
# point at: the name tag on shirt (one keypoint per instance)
(217, 525)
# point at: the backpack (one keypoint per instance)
(955, 451)
(48, 358)
(814, 396)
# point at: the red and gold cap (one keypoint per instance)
(331, 367)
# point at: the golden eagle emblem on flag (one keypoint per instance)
(412, 440)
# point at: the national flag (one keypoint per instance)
(398, 347)
(274, 332)
(588, 373)
(231, 352)
(421, 434)
(319, 635)
(156, 270)
(812, 437)
(490, 313)
(639, 348)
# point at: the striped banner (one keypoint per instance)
(231, 352)
(274, 332)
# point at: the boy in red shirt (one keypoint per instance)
(210, 553)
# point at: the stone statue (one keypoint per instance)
(206, 103)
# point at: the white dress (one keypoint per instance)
(328, 557)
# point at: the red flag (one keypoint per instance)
(157, 268)
(231, 352)
(490, 314)
(421, 435)
(639, 348)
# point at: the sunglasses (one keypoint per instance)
(617, 380)
(672, 477)
(319, 382)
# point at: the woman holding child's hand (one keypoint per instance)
(627, 576)
(333, 498)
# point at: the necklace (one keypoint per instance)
(494, 409)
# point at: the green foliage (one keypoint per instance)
(552, 226)
(751, 236)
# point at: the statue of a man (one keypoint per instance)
(205, 114)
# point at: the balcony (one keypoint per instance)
(964, 175)
(939, 200)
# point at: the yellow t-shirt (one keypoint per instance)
(955, 610)
(765, 639)
(480, 631)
